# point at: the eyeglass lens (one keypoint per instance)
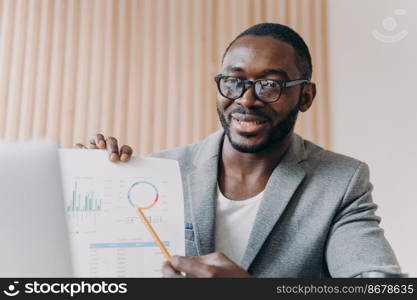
(266, 90)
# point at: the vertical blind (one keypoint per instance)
(140, 70)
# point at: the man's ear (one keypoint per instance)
(309, 92)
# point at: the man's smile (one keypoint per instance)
(248, 123)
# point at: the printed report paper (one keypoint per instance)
(108, 239)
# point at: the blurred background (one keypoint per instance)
(142, 70)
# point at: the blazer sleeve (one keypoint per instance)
(356, 242)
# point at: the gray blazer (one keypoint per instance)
(316, 218)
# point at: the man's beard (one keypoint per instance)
(275, 136)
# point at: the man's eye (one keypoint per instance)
(270, 84)
(232, 82)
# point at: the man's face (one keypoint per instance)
(250, 124)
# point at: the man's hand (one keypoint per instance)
(213, 265)
(99, 142)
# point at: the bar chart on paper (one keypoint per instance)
(108, 239)
(83, 206)
(83, 202)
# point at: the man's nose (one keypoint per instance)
(248, 98)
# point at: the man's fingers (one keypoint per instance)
(80, 146)
(100, 141)
(169, 272)
(111, 144)
(92, 143)
(125, 153)
(213, 265)
(192, 266)
(113, 149)
(92, 146)
(215, 258)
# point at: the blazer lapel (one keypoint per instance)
(279, 190)
(202, 183)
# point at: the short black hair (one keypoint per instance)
(285, 34)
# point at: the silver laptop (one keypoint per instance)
(33, 229)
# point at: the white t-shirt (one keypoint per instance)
(234, 222)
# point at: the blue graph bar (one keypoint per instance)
(89, 204)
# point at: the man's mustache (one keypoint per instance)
(247, 111)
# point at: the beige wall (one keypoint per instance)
(139, 70)
(375, 121)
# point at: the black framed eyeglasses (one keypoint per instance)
(265, 90)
